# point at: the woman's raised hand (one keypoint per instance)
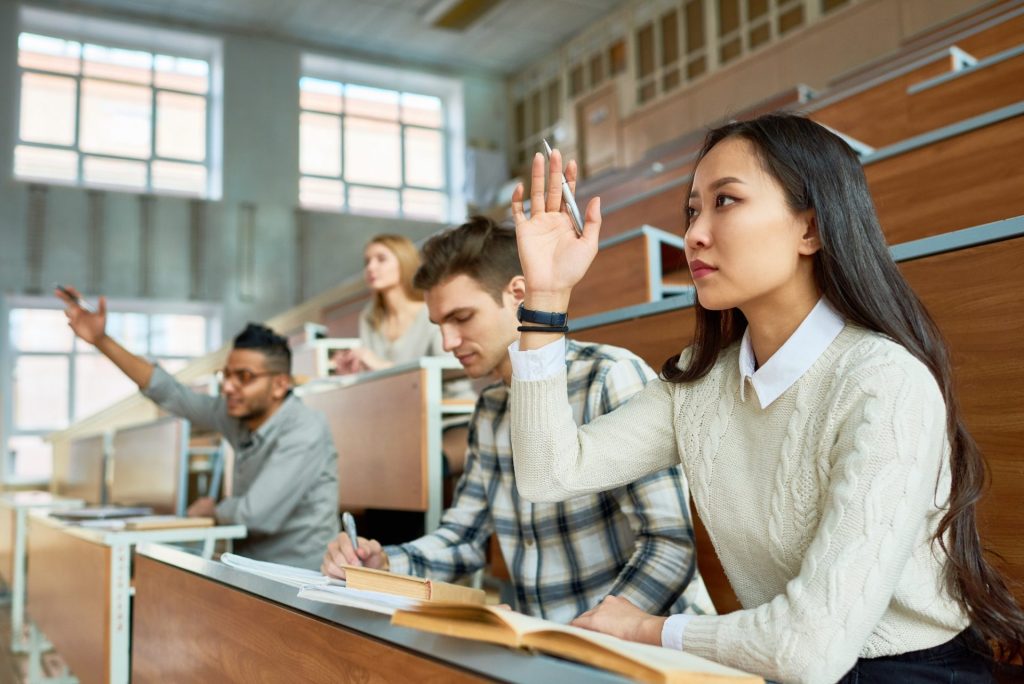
(553, 255)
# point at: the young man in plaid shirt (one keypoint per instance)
(635, 541)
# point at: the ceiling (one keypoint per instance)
(507, 37)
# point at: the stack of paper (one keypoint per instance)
(286, 574)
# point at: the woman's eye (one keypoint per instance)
(723, 200)
(691, 213)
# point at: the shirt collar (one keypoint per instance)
(807, 343)
(260, 435)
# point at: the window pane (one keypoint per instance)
(728, 16)
(321, 193)
(372, 152)
(645, 51)
(422, 204)
(422, 110)
(320, 95)
(181, 73)
(424, 158)
(694, 25)
(118, 64)
(130, 329)
(39, 162)
(189, 179)
(373, 201)
(320, 144)
(40, 330)
(33, 457)
(48, 54)
(617, 57)
(178, 335)
(114, 172)
(98, 384)
(40, 392)
(115, 119)
(181, 126)
(48, 109)
(376, 103)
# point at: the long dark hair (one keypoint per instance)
(855, 271)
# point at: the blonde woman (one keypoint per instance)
(394, 327)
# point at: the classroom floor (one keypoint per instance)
(14, 667)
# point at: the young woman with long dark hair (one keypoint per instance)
(814, 416)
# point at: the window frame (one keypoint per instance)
(448, 90)
(135, 37)
(213, 313)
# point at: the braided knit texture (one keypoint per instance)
(821, 506)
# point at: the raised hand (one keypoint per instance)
(553, 256)
(90, 326)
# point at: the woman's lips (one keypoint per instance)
(698, 269)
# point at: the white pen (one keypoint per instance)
(82, 304)
(349, 523)
(570, 201)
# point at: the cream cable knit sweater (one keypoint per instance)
(821, 506)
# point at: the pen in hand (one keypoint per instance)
(77, 299)
(567, 198)
(349, 523)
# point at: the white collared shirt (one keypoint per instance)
(813, 336)
(807, 343)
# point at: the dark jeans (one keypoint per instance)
(965, 659)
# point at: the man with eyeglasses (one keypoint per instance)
(285, 471)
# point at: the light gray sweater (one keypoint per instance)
(821, 506)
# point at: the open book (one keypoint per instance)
(418, 588)
(286, 574)
(637, 661)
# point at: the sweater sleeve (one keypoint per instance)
(555, 460)
(882, 503)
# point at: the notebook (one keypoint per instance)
(101, 512)
(146, 522)
(499, 626)
(374, 601)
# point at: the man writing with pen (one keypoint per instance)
(285, 467)
(634, 541)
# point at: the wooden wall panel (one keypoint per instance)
(68, 598)
(878, 116)
(956, 183)
(984, 90)
(652, 338)
(974, 296)
(620, 276)
(342, 319)
(1001, 37)
(379, 430)
(664, 210)
(191, 629)
(711, 570)
(7, 524)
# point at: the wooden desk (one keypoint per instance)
(14, 508)
(201, 621)
(387, 430)
(79, 592)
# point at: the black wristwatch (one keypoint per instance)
(551, 318)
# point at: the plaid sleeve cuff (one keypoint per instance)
(398, 560)
(672, 631)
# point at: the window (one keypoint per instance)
(370, 150)
(112, 117)
(53, 379)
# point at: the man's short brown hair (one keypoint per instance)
(479, 248)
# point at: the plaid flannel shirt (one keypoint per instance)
(634, 541)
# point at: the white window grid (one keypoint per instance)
(403, 127)
(154, 93)
(79, 349)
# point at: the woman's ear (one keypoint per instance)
(810, 242)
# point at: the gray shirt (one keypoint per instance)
(423, 338)
(285, 473)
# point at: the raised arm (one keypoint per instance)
(91, 327)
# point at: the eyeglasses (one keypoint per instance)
(241, 377)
